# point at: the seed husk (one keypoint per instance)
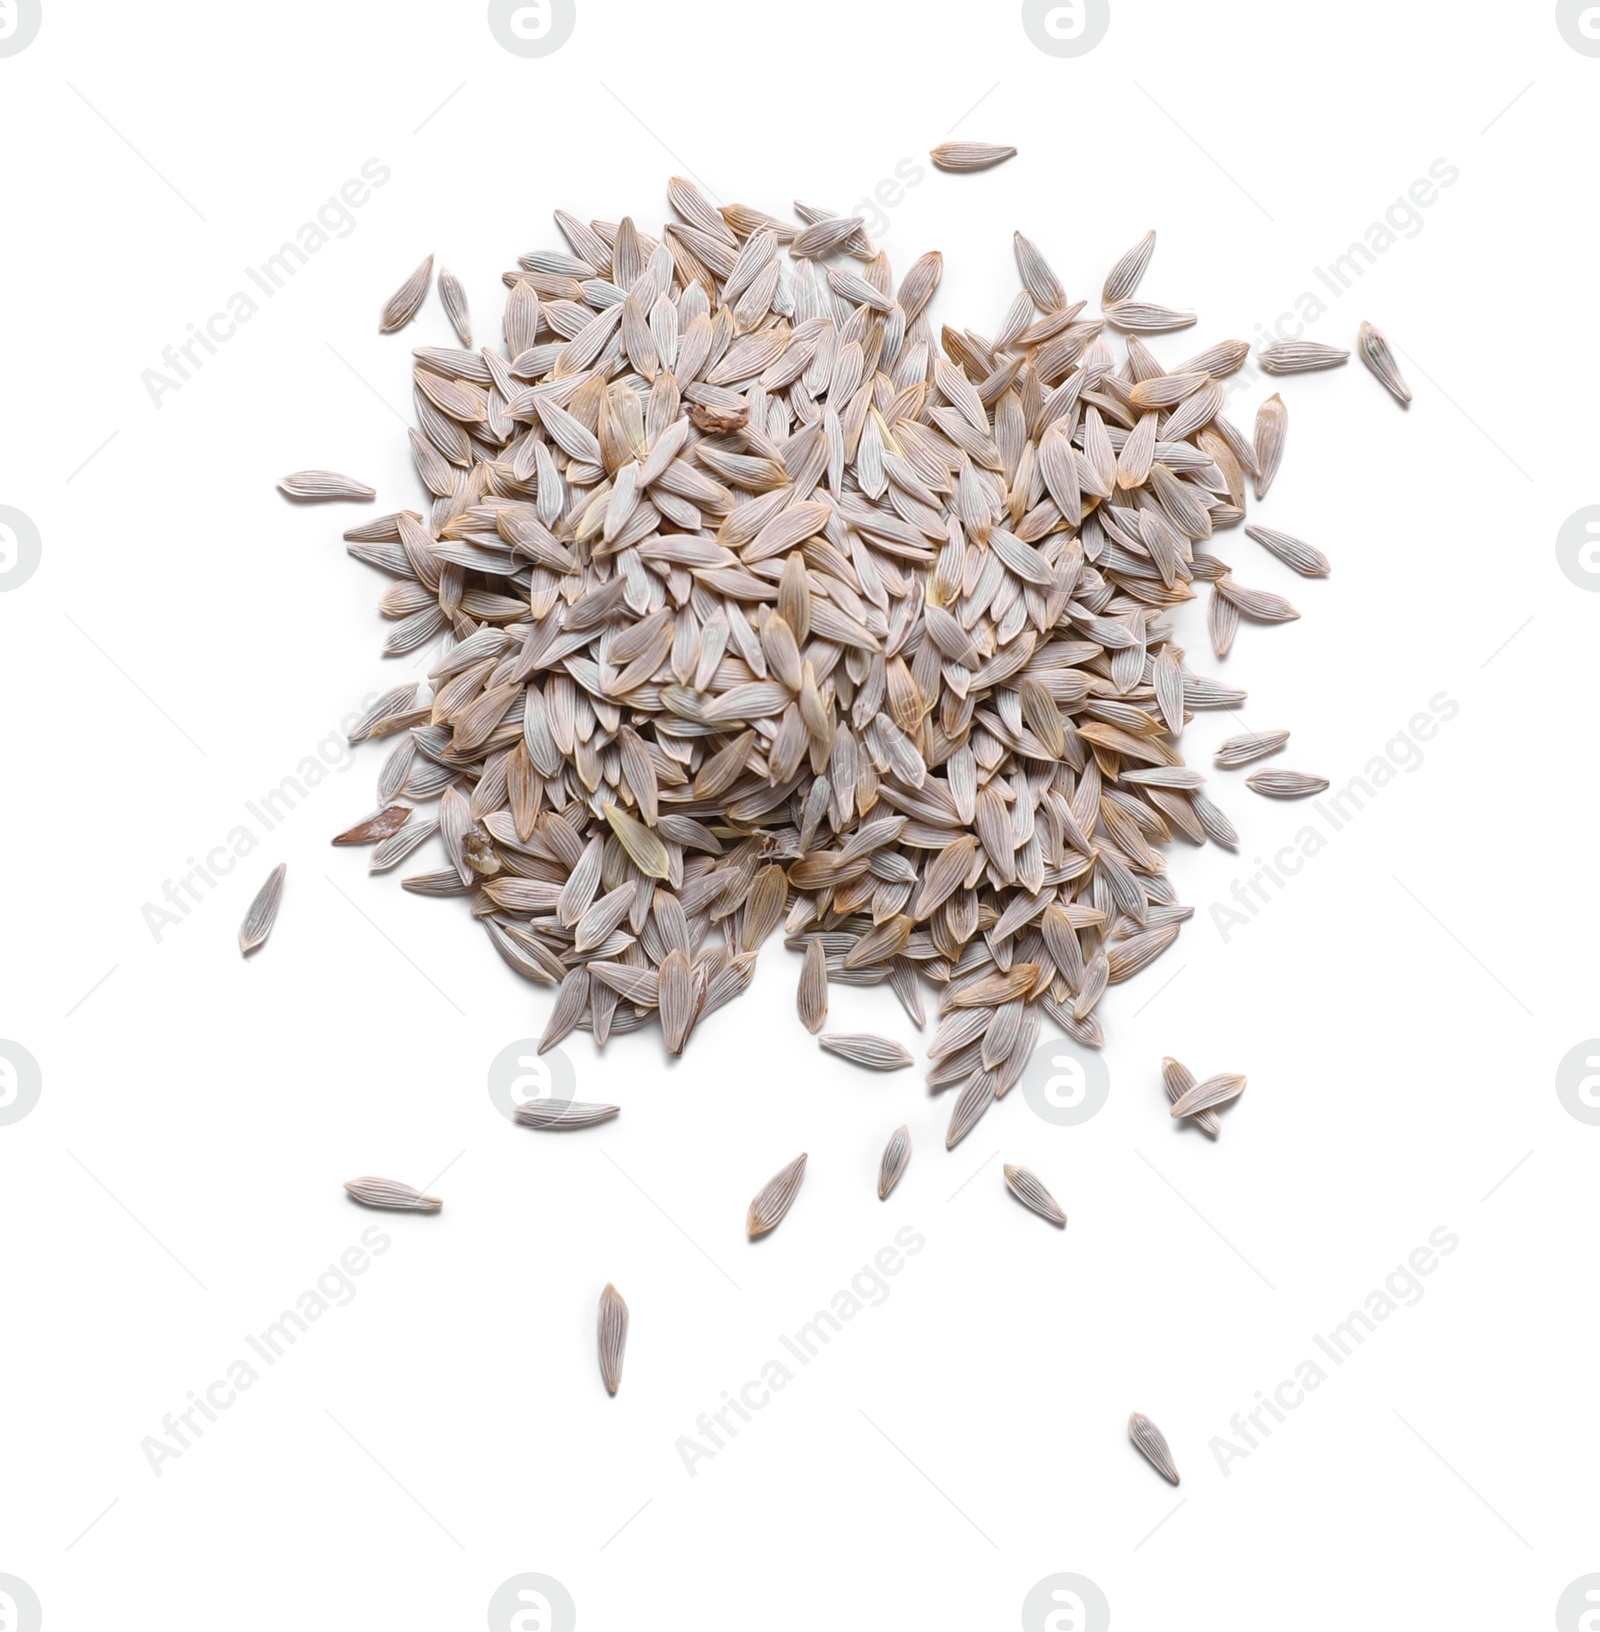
(613, 1336)
(1152, 1445)
(1026, 1187)
(776, 1197)
(1376, 354)
(895, 1156)
(263, 913)
(1286, 784)
(970, 155)
(391, 1193)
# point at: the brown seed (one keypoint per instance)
(380, 825)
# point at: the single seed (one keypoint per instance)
(970, 155)
(895, 1156)
(1025, 1186)
(613, 1336)
(1152, 1445)
(1375, 353)
(776, 1197)
(371, 1192)
(263, 913)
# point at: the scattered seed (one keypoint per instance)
(263, 913)
(1299, 356)
(405, 302)
(812, 999)
(876, 1053)
(613, 1336)
(1308, 562)
(1286, 784)
(895, 1156)
(971, 1103)
(1026, 1187)
(1152, 1445)
(1375, 353)
(562, 1114)
(382, 824)
(316, 486)
(391, 1193)
(1178, 1080)
(970, 155)
(454, 300)
(1207, 1095)
(1272, 430)
(776, 1197)
(1251, 745)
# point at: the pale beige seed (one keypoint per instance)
(970, 155)
(1141, 317)
(1377, 355)
(405, 302)
(973, 1100)
(263, 913)
(1152, 1445)
(1272, 429)
(1207, 1095)
(318, 486)
(1286, 784)
(1299, 356)
(1177, 1079)
(776, 1197)
(876, 1053)
(1260, 604)
(563, 1115)
(391, 1193)
(1123, 278)
(613, 1336)
(1026, 1187)
(1249, 745)
(454, 300)
(812, 998)
(895, 1156)
(1308, 561)
(677, 999)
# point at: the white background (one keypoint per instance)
(1400, 1009)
